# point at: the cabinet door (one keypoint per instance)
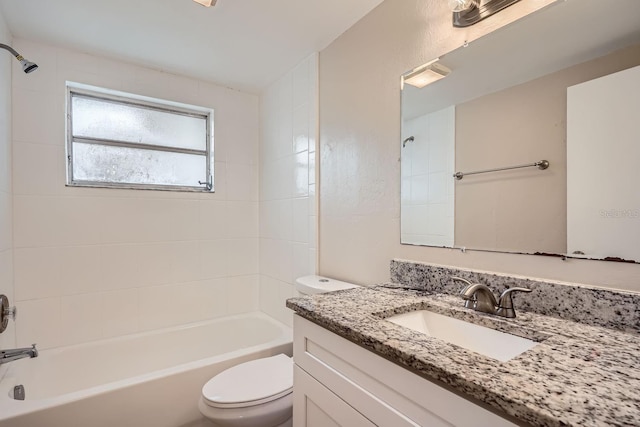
(314, 405)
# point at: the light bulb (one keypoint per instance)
(460, 5)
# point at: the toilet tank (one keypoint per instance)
(309, 285)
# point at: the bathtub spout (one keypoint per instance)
(17, 353)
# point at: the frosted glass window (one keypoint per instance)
(102, 119)
(130, 142)
(103, 163)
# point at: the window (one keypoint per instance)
(126, 141)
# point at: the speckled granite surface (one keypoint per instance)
(578, 375)
(588, 305)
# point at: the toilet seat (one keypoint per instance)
(269, 378)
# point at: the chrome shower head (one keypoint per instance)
(27, 66)
(410, 139)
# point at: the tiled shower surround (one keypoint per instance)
(588, 305)
(90, 263)
(93, 263)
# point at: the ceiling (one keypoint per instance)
(244, 44)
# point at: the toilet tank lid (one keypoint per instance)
(313, 284)
(250, 383)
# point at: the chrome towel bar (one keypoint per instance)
(542, 164)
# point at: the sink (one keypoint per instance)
(486, 341)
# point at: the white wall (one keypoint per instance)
(359, 150)
(94, 263)
(288, 221)
(7, 339)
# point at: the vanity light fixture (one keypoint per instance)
(426, 74)
(206, 3)
(468, 12)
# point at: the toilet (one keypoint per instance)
(258, 393)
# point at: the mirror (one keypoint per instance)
(515, 98)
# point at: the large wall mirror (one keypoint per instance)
(558, 87)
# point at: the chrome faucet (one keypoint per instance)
(479, 297)
(17, 353)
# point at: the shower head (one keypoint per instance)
(410, 139)
(27, 66)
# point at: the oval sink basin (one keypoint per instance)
(486, 341)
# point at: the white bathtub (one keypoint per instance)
(149, 379)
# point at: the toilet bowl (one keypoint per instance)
(258, 393)
(255, 393)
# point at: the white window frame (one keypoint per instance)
(76, 89)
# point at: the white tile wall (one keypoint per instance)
(288, 225)
(7, 338)
(94, 263)
(5, 221)
(39, 323)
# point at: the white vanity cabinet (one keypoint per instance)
(338, 383)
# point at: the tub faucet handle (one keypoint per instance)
(11, 313)
(6, 312)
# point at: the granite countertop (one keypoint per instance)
(578, 375)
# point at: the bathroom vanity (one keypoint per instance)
(354, 367)
(338, 383)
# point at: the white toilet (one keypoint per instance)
(258, 393)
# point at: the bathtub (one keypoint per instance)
(148, 379)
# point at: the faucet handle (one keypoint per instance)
(460, 279)
(6, 312)
(11, 313)
(470, 301)
(505, 302)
